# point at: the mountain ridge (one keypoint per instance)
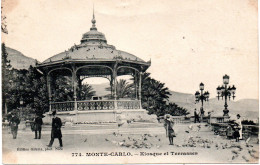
(18, 60)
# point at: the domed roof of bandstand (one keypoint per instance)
(93, 48)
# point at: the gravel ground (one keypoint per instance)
(134, 143)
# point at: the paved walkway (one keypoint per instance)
(105, 139)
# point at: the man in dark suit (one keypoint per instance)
(196, 116)
(38, 125)
(14, 122)
(56, 130)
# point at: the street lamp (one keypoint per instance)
(201, 96)
(226, 91)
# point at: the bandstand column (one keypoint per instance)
(140, 89)
(74, 86)
(136, 91)
(115, 86)
(80, 87)
(49, 90)
(111, 85)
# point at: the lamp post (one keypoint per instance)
(201, 96)
(226, 91)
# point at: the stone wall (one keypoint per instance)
(101, 116)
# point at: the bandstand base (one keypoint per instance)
(100, 116)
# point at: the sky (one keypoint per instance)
(187, 41)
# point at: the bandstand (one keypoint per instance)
(93, 57)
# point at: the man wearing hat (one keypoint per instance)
(196, 116)
(38, 125)
(14, 122)
(168, 125)
(56, 129)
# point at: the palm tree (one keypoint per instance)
(124, 89)
(63, 90)
(174, 110)
(154, 94)
(86, 92)
(154, 97)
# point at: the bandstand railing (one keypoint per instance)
(128, 104)
(62, 106)
(95, 105)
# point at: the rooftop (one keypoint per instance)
(93, 47)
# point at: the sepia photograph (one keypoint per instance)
(130, 81)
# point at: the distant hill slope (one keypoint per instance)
(18, 60)
(247, 108)
(100, 89)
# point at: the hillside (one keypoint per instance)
(18, 60)
(247, 108)
(100, 89)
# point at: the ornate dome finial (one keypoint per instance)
(93, 21)
(93, 36)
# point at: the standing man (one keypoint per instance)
(14, 122)
(168, 125)
(56, 130)
(38, 125)
(196, 116)
(201, 114)
(239, 126)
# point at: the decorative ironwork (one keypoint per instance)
(95, 105)
(62, 106)
(128, 104)
(90, 76)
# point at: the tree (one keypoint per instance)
(86, 92)
(62, 89)
(6, 67)
(154, 95)
(36, 90)
(30, 86)
(3, 21)
(124, 89)
(174, 110)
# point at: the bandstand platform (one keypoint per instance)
(92, 111)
